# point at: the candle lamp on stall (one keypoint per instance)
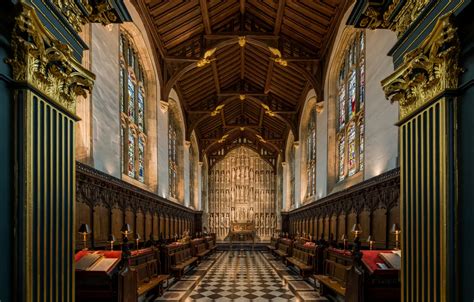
(396, 231)
(84, 230)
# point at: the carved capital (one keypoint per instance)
(395, 15)
(81, 12)
(164, 106)
(428, 70)
(45, 63)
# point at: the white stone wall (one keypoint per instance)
(381, 138)
(104, 52)
(381, 134)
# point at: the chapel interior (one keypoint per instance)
(237, 150)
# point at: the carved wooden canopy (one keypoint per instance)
(241, 68)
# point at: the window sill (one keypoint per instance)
(348, 182)
(135, 182)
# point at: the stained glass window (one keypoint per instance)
(132, 105)
(350, 103)
(172, 159)
(311, 154)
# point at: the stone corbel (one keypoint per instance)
(43, 62)
(427, 71)
(164, 106)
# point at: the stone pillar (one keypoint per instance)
(187, 145)
(423, 86)
(199, 187)
(285, 190)
(162, 168)
(298, 198)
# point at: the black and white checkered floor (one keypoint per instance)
(255, 277)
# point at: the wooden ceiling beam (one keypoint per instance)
(253, 35)
(268, 79)
(279, 17)
(215, 74)
(242, 62)
(205, 16)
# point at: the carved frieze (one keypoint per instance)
(45, 63)
(428, 70)
(395, 15)
(81, 12)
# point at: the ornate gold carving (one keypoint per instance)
(242, 97)
(427, 71)
(45, 63)
(374, 17)
(260, 138)
(217, 110)
(242, 41)
(319, 107)
(278, 56)
(268, 111)
(205, 60)
(223, 138)
(97, 12)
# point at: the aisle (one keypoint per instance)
(241, 279)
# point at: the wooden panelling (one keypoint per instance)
(97, 193)
(373, 204)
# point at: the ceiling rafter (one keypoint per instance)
(301, 33)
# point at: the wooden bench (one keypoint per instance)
(181, 259)
(272, 246)
(284, 248)
(201, 250)
(303, 259)
(211, 244)
(337, 265)
(334, 278)
(148, 278)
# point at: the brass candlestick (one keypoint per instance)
(84, 230)
(344, 241)
(137, 239)
(371, 242)
(396, 231)
(356, 230)
(111, 240)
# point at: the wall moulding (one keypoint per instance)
(427, 71)
(45, 63)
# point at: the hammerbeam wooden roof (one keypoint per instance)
(242, 68)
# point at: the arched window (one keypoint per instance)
(172, 159)
(132, 104)
(350, 103)
(311, 154)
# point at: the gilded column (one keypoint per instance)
(422, 86)
(49, 80)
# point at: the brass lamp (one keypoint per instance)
(371, 242)
(356, 230)
(84, 230)
(396, 231)
(344, 240)
(111, 239)
(126, 230)
(137, 238)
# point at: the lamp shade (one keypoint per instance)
(369, 239)
(137, 236)
(111, 238)
(343, 237)
(356, 229)
(126, 229)
(395, 229)
(84, 229)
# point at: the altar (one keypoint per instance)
(241, 232)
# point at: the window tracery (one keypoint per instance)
(350, 109)
(172, 158)
(132, 105)
(311, 154)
